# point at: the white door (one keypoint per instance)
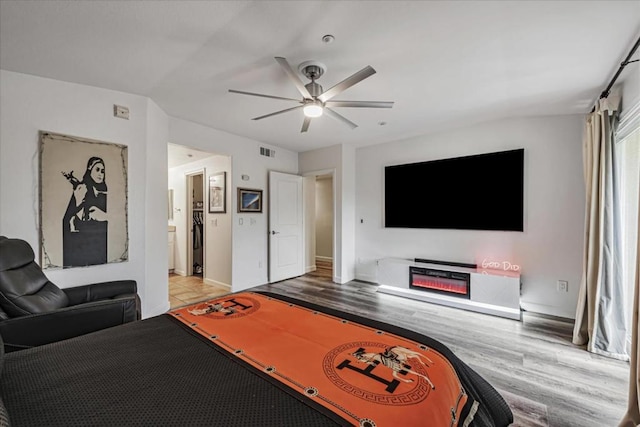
(286, 232)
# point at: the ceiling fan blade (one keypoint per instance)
(305, 124)
(294, 77)
(264, 96)
(366, 104)
(340, 118)
(277, 112)
(347, 83)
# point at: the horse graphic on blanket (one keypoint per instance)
(397, 359)
(212, 308)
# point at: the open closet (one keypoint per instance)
(197, 223)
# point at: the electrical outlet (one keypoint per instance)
(563, 286)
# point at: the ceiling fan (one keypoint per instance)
(314, 100)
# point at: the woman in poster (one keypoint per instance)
(84, 226)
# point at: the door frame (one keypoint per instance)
(189, 209)
(331, 172)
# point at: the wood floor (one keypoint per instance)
(185, 290)
(546, 379)
(324, 268)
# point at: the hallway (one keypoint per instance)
(184, 290)
(324, 268)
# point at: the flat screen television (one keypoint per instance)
(479, 192)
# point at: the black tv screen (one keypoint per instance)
(479, 192)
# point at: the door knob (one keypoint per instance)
(275, 232)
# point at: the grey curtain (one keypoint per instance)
(600, 314)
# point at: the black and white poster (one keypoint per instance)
(83, 202)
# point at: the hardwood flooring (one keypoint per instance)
(185, 290)
(324, 268)
(546, 379)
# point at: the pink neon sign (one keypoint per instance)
(500, 265)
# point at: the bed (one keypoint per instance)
(248, 359)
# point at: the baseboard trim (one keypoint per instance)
(546, 310)
(367, 278)
(324, 258)
(216, 283)
(180, 272)
(310, 268)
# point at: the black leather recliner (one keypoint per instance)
(34, 311)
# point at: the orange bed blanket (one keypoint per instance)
(367, 376)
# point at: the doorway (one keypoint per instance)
(324, 240)
(202, 247)
(301, 221)
(320, 227)
(196, 236)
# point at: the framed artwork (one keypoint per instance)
(217, 192)
(82, 202)
(249, 200)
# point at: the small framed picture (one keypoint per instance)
(249, 200)
(217, 193)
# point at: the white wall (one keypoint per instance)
(309, 210)
(347, 224)
(30, 104)
(217, 226)
(549, 249)
(342, 160)
(250, 244)
(324, 217)
(628, 83)
(156, 287)
(629, 86)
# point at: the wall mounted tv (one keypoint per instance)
(479, 192)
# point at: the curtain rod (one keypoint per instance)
(627, 61)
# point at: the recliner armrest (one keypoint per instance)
(100, 291)
(37, 329)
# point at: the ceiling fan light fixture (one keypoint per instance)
(314, 98)
(313, 109)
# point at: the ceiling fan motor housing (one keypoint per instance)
(314, 89)
(313, 70)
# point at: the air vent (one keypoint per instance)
(268, 152)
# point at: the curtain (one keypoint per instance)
(632, 416)
(600, 314)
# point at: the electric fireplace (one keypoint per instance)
(444, 282)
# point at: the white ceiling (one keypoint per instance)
(179, 155)
(443, 63)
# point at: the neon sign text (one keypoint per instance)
(500, 265)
